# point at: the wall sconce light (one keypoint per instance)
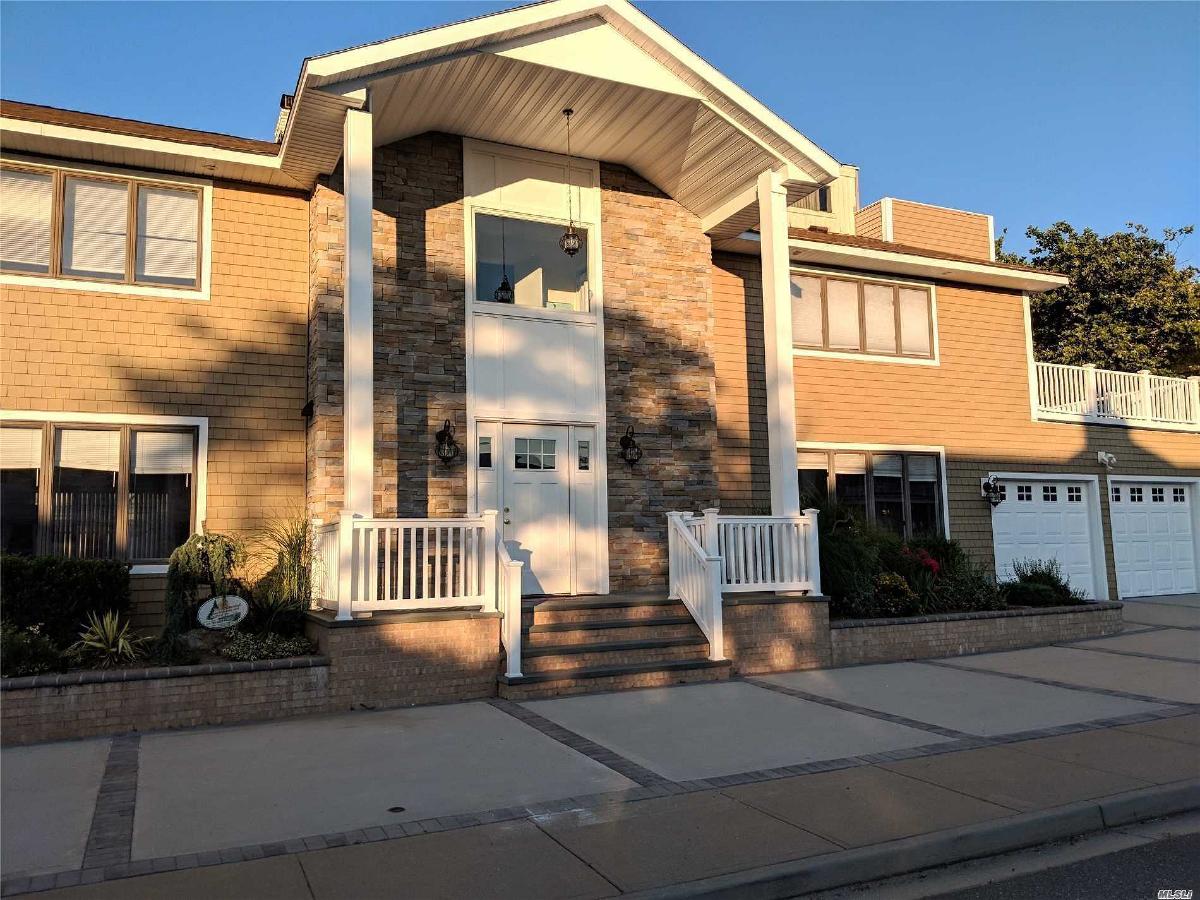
(991, 490)
(630, 451)
(447, 447)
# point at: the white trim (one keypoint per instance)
(780, 374)
(1030, 361)
(200, 423)
(899, 262)
(358, 366)
(201, 294)
(939, 449)
(816, 352)
(885, 218)
(1095, 520)
(991, 238)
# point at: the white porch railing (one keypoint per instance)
(1087, 394)
(508, 589)
(711, 555)
(368, 565)
(695, 578)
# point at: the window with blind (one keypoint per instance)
(854, 315)
(897, 491)
(99, 228)
(102, 491)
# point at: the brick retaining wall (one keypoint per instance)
(390, 660)
(776, 634)
(854, 642)
(87, 704)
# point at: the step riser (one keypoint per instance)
(535, 664)
(566, 687)
(600, 635)
(603, 614)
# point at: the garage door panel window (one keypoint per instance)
(101, 492)
(897, 491)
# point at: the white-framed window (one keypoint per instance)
(97, 489)
(103, 229)
(535, 454)
(1074, 493)
(1049, 493)
(1135, 495)
(852, 315)
(1158, 495)
(485, 451)
(1025, 493)
(1178, 495)
(1116, 494)
(518, 262)
(899, 490)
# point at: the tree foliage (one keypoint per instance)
(1129, 306)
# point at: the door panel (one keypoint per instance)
(537, 516)
(1153, 541)
(1046, 520)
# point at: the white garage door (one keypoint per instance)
(1045, 519)
(1153, 540)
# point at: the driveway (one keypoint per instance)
(799, 759)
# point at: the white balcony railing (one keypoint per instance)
(1088, 394)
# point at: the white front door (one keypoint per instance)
(537, 505)
(1046, 519)
(1154, 544)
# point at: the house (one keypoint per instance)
(507, 306)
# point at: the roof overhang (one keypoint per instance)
(641, 98)
(156, 148)
(895, 262)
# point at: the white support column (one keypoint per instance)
(777, 337)
(358, 316)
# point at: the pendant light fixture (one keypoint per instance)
(570, 242)
(504, 293)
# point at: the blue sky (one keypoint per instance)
(1035, 112)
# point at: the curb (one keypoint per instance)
(906, 855)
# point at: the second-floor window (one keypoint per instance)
(519, 262)
(103, 228)
(855, 315)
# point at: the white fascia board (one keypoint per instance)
(898, 263)
(142, 144)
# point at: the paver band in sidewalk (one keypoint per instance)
(577, 742)
(1108, 692)
(111, 835)
(861, 710)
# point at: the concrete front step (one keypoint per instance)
(595, 632)
(565, 682)
(612, 653)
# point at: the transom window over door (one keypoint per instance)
(854, 315)
(899, 491)
(522, 257)
(96, 491)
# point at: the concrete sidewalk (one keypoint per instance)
(606, 794)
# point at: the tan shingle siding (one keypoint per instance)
(237, 359)
(935, 228)
(975, 404)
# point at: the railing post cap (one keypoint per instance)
(1089, 365)
(711, 511)
(1144, 372)
(811, 511)
(1193, 378)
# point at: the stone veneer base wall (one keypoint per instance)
(392, 659)
(776, 634)
(854, 642)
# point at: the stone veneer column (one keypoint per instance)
(659, 373)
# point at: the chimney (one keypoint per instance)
(285, 111)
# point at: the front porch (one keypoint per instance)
(397, 572)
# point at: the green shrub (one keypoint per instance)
(203, 560)
(966, 586)
(58, 593)
(106, 643)
(172, 650)
(243, 647)
(26, 651)
(893, 596)
(1046, 574)
(849, 558)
